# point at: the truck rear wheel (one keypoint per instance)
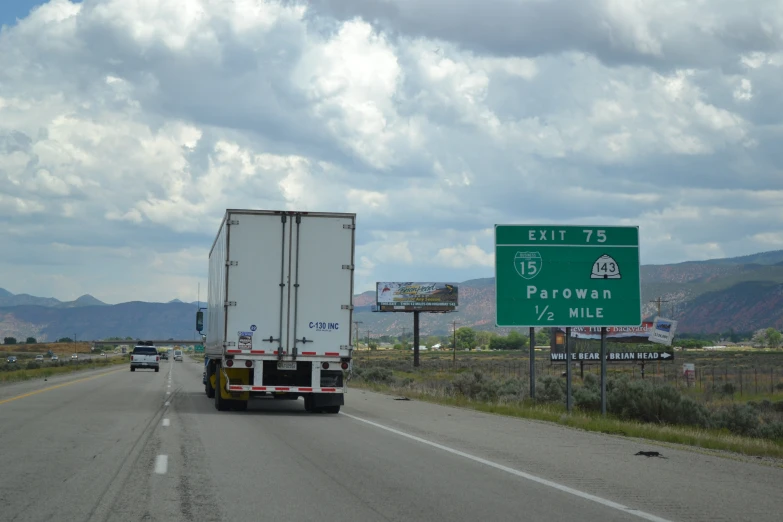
(239, 405)
(133, 369)
(332, 409)
(208, 386)
(220, 402)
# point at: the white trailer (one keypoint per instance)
(279, 309)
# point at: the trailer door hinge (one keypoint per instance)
(346, 307)
(230, 303)
(346, 347)
(232, 263)
(232, 222)
(230, 343)
(347, 267)
(349, 227)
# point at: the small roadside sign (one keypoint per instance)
(614, 356)
(663, 331)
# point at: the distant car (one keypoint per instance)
(178, 355)
(145, 356)
(103, 354)
(39, 358)
(75, 356)
(55, 358)
(11, 359)
(164, 356)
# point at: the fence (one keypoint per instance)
(724, 379)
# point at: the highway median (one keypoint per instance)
(31, 370)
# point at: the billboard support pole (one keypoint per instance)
(603, 370)
(532, 363)
(568, 368)
(416, 339)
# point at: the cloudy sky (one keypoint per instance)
(127, 127)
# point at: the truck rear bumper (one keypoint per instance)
(283, 389)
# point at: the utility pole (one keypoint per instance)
(368, 339)
(403, 336)
(454, 356)
(659, 301)
(356, 325)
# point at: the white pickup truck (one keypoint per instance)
(145, 355)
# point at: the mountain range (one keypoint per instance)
(713, 296)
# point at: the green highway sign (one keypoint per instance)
(551, 275)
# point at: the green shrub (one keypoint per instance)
(643, 401)
(378, 375)
(737, 418)
(32, 365)
(550, 389)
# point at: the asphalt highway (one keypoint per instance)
(111, 445)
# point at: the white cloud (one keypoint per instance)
(134, 124)
(462, 256)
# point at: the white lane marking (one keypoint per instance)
(167, 403)
(522, 474)
(161, 464)
(166, 422)
(168, 393)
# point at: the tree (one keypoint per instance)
(542, 337)
(431, 341)
(65, 340)
(9, 340)
(483, 337)
(373, 345)
(513, 341)
(31, 340)
(772, 337)
(466, 337)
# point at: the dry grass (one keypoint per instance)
(58, 348)
(40, 373)
(702, 438)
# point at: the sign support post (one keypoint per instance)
(568, 369)
(416, 339)
(532, 363)
(603, 370)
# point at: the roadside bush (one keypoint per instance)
(643, 401)
(469, 384)
(405, 382)
(728, 389)
(737, 418)
(550, 389)
(378, 375)
(32, 365)
(773, 430)
(779, 386)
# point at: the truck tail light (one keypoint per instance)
(344, 366)
(230, 363)
(325, 365)
(248, 364)
(157, 358)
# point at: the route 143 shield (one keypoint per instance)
(528, 264)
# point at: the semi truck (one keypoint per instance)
(279, 308)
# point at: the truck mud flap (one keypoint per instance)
(234, 377)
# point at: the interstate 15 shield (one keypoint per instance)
(528, 264)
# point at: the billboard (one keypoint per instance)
(616, 334)
(410, 297)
